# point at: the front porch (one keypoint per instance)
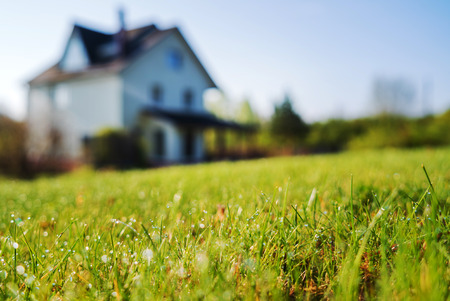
(174, 137)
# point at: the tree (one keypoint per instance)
(245, 114)
(286, 125)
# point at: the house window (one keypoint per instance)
(156, 93)
(174, 59)
(159, 141)
(188, 98)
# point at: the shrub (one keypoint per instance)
(116, 148)
(12, 147)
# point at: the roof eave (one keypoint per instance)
(211, 83)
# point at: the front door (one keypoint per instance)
(189, 145)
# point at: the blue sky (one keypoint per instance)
(324, 53)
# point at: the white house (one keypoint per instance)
(145, 78)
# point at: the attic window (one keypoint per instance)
(157, 93)
(188, 98)
(108, 50)
(174, 59)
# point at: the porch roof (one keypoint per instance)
(192, 119)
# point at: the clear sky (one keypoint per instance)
(324, 53)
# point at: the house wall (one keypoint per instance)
(93, 103)
(39, 120)
(153, 68)
(75, 109)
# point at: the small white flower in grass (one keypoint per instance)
(147, 254)
(181, 272)
(15, 245)
(45, 234)
(177, 197)
(114, 294)
(202, 226)
(20, 269)
(202, 261)
(105, 258)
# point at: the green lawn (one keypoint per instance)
(346, 226)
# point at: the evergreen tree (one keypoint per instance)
(286, 125)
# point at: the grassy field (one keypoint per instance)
(369, 225)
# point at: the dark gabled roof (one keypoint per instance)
(132, 42)
(93, 41)
(191, 119)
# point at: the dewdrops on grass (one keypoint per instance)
(20, 269)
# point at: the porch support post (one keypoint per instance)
(220, 143)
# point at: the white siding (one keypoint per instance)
(39, 121)
(75, 109)
(75, 57)
(92, 103)
(152, 69)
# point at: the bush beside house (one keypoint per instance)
(116, 148)
(12, 147)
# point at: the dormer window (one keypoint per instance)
(174, 59)
(156, 93)
(188, 98)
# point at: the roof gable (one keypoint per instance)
(212, 84)
(75, 55)
(95, 42)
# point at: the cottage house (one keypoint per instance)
(147, 78)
